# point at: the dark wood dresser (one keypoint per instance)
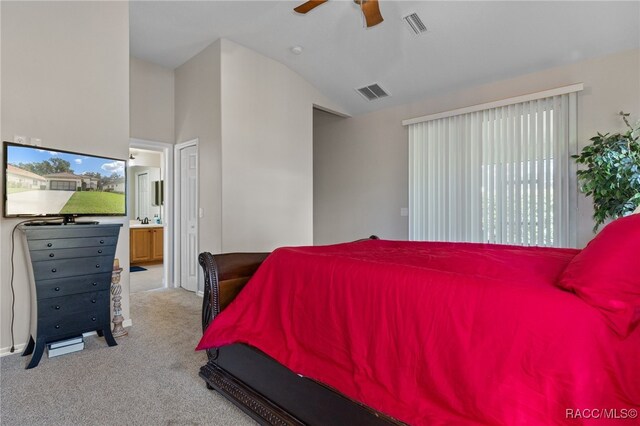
(71, 269)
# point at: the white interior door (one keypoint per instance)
(188, 208)
(143, 196)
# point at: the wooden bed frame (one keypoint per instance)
(263, 388)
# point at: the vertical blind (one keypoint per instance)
(499, 175)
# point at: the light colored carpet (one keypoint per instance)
(150, 279)
(150, 378)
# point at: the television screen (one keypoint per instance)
(48, 182)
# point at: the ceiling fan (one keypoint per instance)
(370, 9)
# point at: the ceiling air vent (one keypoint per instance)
(415, 23)
(373, 92)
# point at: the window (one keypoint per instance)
(500, 174)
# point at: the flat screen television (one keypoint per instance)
(42, 181)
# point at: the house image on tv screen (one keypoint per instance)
(20, 178)
(29, 193)
(115, 185)
(70, 182)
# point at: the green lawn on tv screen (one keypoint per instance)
(95, 202)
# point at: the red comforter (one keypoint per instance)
(437, 333)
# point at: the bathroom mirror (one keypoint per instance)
(146, 192)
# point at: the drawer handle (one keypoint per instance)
(49, 245)
(93, 300)
(57, 326)
(57, 289)
(99, 251)
(93, 318)
(54, 270)
(101, 241)
(51, 255)
(97, 265)
(57, 307)
(94, 284)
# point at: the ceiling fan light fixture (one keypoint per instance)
(369, 8)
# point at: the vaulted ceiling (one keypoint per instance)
(467, 43)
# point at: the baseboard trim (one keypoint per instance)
(19, 348)
(200, 293)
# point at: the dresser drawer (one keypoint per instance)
(46, 289)
(61, 243)
(72, 253)
(71, 231)
(50, 269)
(73, 323)
(73, 304)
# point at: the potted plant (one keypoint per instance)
(612, 173)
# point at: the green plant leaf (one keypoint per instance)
(612, 173)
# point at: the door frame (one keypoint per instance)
(167, 167)
(177, 175)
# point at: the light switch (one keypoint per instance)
(200, 212)
(404, 211)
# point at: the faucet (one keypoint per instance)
(145, 221)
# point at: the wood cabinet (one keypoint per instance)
(71, 266)
(157, 244)
(140, 245)
(146, 245)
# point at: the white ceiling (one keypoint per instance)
(467, 43)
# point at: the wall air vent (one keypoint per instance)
(373, 92)
(415, 23)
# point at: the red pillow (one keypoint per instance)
(606, 274)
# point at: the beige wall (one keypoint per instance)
(267, 152)
(197, 94)
(360, 177)
(65, 80)
(151, 101)
(360, 163)
(253, 119)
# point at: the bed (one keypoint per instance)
(391, 332)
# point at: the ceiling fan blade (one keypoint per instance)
(371, 10)
(310, 5)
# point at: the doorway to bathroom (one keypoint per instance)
(149, 211)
